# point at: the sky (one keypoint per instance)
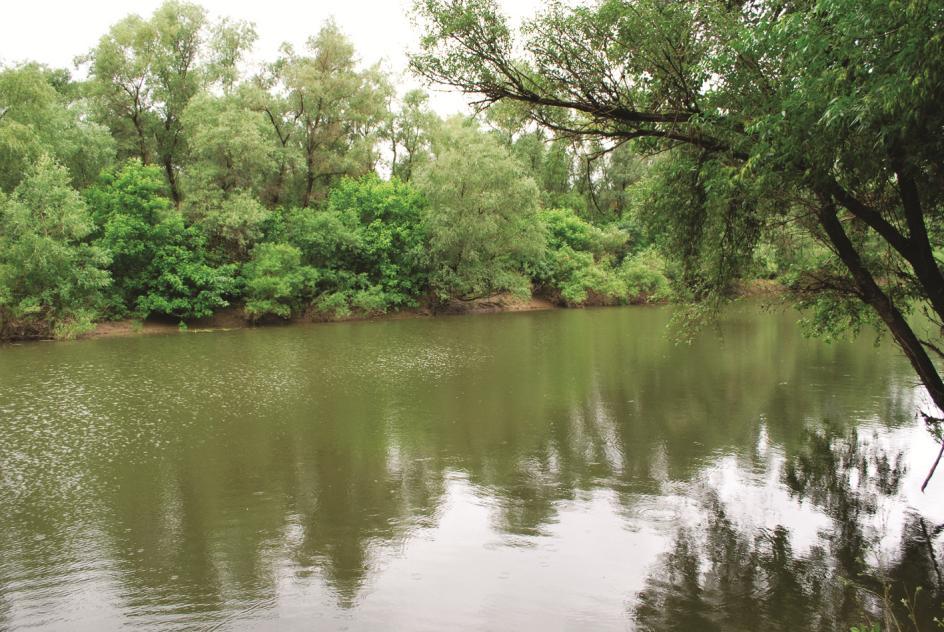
(55, 31)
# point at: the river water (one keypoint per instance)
(559, 470)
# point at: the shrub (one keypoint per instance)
(645, 277)
(179, 282)
(390, 236)
(233, 225)
(276, 281)
(368, 246)
(578, 262)
(158, 262)
(51, 279)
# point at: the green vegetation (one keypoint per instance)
(621, 152)
(275, 281)
(176, 181)
(483, 227)
(51, 277)
(631, 152)
(801, 138)
(158, 263)
(42, 113)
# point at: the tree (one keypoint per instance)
(324, 111)
(483, 228)
(409, 133)
(230, 160)
(549, 161)
(606, 176)
(50, 277)
(229, 147)
(823, 115)
(37, 117)
(144, 73)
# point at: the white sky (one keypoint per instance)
(55, 31)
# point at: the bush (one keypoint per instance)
(644, 275)
(158, 262)
(276, 281)
(575, 275)
(368, 247)
(390, 239)
(232, 225)
(323, 237)
(564, 228)
(580, 264)
(179, 282)
(765, 263)
(336, 303)
(577, 265)
(51, 279)
(373, 300)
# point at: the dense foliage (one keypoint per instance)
(158, 262)
(50, 275)
(812, 123)
(483, 227)
(180, 181)
(623, 151)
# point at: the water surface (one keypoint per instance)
(561, 470)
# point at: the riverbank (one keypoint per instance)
(234, 317)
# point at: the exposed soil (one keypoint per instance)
(234, 318)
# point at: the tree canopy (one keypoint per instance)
(630, 150)
(821, 117)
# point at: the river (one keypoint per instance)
(558, 470)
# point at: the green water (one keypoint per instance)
(562, 470)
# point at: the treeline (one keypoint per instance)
(172, 183)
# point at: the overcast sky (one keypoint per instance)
(55, 31)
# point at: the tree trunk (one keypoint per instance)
(922, 254)
(915, 248)
(309, 187)
(142, 141)
(172, 180)
(873, 295)
(276, 195)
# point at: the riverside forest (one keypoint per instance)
(748, 437)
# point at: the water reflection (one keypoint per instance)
(723, 576)
(512, 471)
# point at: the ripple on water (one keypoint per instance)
(511, 470)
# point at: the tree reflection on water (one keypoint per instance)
(720, 575)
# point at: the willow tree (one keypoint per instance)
(816, 115)
(51, 278)
(326, 113)
(144, 72)
(40, 116)
(229, 163)
(482, 224)
(409, 132)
